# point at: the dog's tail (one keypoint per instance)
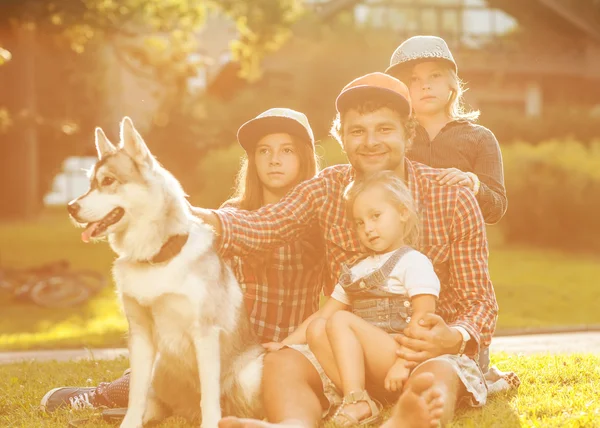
(243, 391)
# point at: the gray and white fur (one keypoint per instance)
(192, 349)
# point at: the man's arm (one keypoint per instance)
(241, 232)
(469, 274)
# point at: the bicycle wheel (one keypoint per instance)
(90, 279)
(59, 291)
(12, 280)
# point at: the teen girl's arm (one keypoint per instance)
(489, 170)
(242, 232)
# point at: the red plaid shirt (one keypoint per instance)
(453, 237)
(281, 286)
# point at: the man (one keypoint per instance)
(374, 127)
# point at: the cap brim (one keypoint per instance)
(255, 129)
(358, 94)
(397, 69)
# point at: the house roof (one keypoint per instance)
(581, 15)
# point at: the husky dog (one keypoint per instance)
(191, 346)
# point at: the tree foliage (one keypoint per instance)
(263, 25)
(153, 38)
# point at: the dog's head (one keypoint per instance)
(121, 185)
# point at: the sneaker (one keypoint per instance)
(68, 397)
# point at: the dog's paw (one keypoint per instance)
(131, 423)
(210, 423)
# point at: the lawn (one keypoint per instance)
(556, 391)
(535, 287)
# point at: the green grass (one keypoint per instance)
(535, 287)
(556, 391)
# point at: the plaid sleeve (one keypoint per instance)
(489, 168)
(476, 300)
(244, 232)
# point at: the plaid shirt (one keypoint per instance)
(471, 148)
(281, 286)
(453, 237)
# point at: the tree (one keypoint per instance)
(75, 31)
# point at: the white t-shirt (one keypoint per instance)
(412, 275)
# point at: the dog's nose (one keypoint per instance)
(73, 208)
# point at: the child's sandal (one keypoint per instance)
(342, 418)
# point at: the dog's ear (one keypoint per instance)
(103, 146)
(133, 143)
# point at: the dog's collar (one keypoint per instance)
(169, 249)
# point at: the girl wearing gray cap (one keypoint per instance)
(447, 136)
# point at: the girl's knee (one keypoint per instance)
(445, 376)
(339, 320)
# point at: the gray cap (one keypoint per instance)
(275, 120)
(420, 48)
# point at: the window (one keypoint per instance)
(466, 22)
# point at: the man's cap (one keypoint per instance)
(375, 86)
(272, 121)
(418, 49)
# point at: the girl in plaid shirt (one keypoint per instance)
(447, 136)
(281, 286)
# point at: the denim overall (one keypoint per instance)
(371, 300)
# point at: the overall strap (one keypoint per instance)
(378, 277)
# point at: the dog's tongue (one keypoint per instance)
(89, 231)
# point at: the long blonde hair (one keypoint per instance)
(248, 193)
(455, 109)
(398, 194)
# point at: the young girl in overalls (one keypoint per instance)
(351, 335)
(447, 136)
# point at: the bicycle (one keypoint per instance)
(52, 285)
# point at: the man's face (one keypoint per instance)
(374, 141)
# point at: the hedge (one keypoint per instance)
(553, 193)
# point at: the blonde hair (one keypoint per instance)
(248, 192)
(369, 106)
(455, 109)
(397, 192)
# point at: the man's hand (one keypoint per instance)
(429, 338)
(208, 217)
(451, 176)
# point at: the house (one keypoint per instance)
(515, 55)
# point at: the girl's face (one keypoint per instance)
(429, 87)
(277, 162)
(380, 223)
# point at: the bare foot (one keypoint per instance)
(419, 406)
(233, 422)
